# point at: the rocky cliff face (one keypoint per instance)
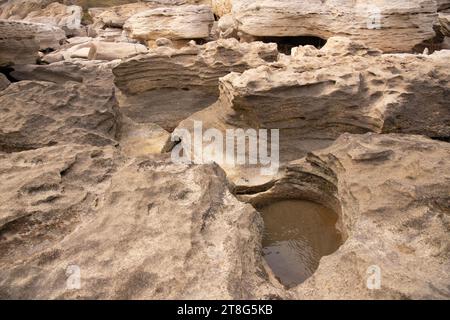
(92, 205)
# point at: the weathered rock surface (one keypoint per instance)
(102, 50)
(19, 39)
(392, 195)
(56, 14)
(142, 139)
(129, 246)
(94, 74)
(316, 95)
(17, 44)
(38, 114)
(49, 191)
(115, 222)
(443, 4)
(4, 82)
(191, 75)
(19, 9)
(221, 7)
(175, 23)
(116, 16)
(85, 190)
(392, 26)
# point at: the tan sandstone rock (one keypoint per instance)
(4, 82)
(37, 114)
(142, 139)
(56, 14)
(392, 26)
(316, 95)
(19, 9)
(175, 23)
(135, 216)
(46, 36)
(392, 195)
(102, 50)
(18, 44)
(190, 79)
(222, 7)
(100, 209)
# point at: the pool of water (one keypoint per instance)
(297, 235)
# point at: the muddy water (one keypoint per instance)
(297, 234)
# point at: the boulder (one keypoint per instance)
(79, 208)
(102, 50)
(18, 44)
(175, 23)
(19, 9)
(391, 26)
(191, 76)
(65, 17)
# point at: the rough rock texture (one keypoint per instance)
(221, 7)
(392, 193)
(141, 139)
(443, 4)
(75, 48)
(175, 23)
(84, 186)
(444, 24)
(93, 74)
(316, 95)
(49, 191)
(190, 79)
(19, 9)
(37, 114)
(17, 44)
(19, 39)
(4, 82)
(102, 50)
(67, 18)
(116, 16)
(392, 26)
(130, 229)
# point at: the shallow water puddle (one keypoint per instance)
(296, 235)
